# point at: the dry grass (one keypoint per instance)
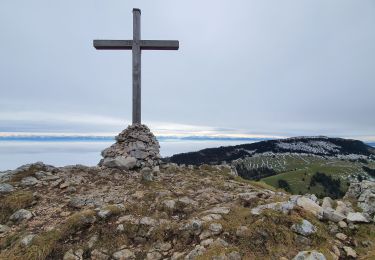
(13, 202)
(25, 173)
(46, 243)
(269, 235)
(365, 233)
(258, 184)
(216, 250)
(109, 237)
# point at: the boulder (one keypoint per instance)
(357, 217)
(284, 207)
(304, 228)
(197, 251)
(21, 214)
(29, 181)
(350, 252)
(242, 231)
(104, 213)
(99, 255)
(194, 227)
(6, 188)
(147, 221)
(147, 174)
(332, 215)
(364, 192)
(169, 204)
(154, 256)
(342, 224)
(310, 206)
(309, 255)
(215, 228)
(163, 246)
(73, 255)
(327, 203)
(26, 241)
(4, 228)
(41, 174)
(342, 208)
(80, 202)
(366, 201)
(124, 254)
(341, 236)
(120, 162)
(211, 217)
(207, 242)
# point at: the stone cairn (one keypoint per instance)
(135, 147)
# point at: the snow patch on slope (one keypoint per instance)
(312, 146)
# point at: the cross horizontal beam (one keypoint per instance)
(159, 45)
(128, 44)
(113, 44)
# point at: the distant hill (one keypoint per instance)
(320, 145)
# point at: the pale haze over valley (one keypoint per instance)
(245, 69)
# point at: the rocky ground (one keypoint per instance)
(173, 212)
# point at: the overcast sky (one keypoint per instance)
(278, 68)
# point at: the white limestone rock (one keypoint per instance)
(74, 255)
(216, 228)
(147, 174)
(197, 251)
(29, 181)
(20, 215)
(332, 215)
(357, 217)
(311, 206)
(350, 252)
(327, 203)
(120, 162)
(6, 188)
(304, 228)
(4, 228)
(124, 254)
(309, 255)
(26, 241)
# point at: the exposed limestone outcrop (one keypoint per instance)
(364, 192)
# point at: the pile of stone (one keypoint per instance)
(135, 147)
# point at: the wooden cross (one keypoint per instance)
(136, 45)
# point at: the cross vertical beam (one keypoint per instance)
(136, 45)
(136, 51)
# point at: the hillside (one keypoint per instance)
(295, 163)
(323, 146)
(172, 212)
(298, 169)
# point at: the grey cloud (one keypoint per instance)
(275, 67)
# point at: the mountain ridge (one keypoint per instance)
(315, 145)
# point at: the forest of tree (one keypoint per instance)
(332, 187)
(255, 174)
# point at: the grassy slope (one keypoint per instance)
(297, 170)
